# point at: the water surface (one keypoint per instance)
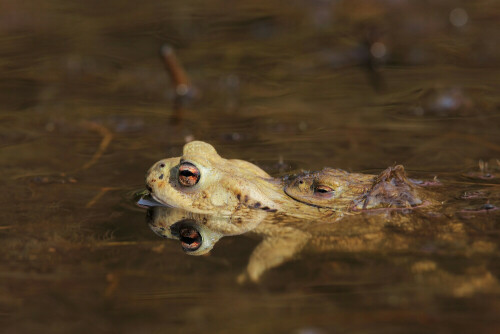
(86, 109)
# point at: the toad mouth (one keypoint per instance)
(150, 200)
(159, 201)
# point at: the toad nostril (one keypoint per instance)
(162, 165)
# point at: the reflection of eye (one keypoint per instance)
(190, 238)
(189, 175)
(323, 190)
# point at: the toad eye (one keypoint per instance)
(190, 238)
(189, 175)
(323, 191)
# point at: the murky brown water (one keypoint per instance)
(85, 111)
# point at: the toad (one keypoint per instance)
(338, 189)
(201, 181)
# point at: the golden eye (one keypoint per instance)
(189, 175)
(323, 191)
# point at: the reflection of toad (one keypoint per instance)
(198, 233)
(203, 182)
(370, 232)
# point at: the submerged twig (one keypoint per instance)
(107, 136)
(184, 91)
(175, 69)
(64, 177)
(374, 51)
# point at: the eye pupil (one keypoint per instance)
(190, 238)
(189, 174)
(323, 190)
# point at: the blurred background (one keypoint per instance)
(87, 106)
